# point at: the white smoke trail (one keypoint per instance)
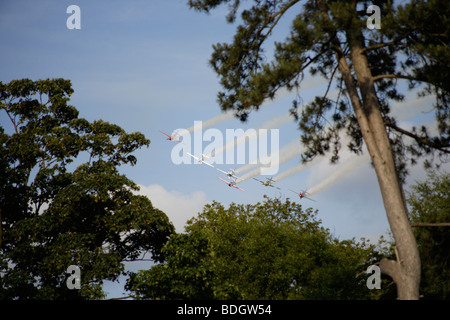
(273, 123)
(226, 116)
(249, 175)
(340, 172)
(296, 169)
(230, 114)
(288, 152)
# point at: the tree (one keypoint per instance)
(270, 250)
(55, 213)
(430, 214)
(367, 67)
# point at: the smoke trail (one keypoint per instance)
(249, 175)
(340, 172)
(288, 152)
(229, 115)
(296, 169)
(226, 116)
(291, 150)
(278, 121)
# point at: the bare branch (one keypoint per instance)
(394, 76)
(430, 224)
(378, 46)
(420, 139)
(122, 298)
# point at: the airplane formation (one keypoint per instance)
(231, 174)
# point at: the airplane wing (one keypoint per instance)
(209, 164)
(268, 183)
(259, 180)
(170, 138)
(165, 134)
(230, 184)
(308, 197)
(193, 156)
(224, 181)
(303, 195)
(237, 187)
(222, 171)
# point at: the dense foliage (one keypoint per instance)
(271, 250)
(55, 209)
(429, 201)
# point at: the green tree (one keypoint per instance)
(54, 213)
(430, 215)
(271, 250)
(367, 67)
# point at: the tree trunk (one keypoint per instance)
(406, 270)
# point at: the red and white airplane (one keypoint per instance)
(302, 195)
(231, 184)
(171, 138)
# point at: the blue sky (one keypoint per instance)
(144, 66)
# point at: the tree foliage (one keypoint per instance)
(270, 250)
(430, 203)
(58, 211)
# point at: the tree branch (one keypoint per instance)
(122, 298)
(394, 76)
(430, 224)
(279, 14)
(390, 268)
(387, 44)
(419, 139)
(378, 46)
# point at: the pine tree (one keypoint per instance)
(368, 67)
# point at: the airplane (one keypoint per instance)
(268, 183)
(202, 159)
(229, 173)
(231, 184)
(170, 137)
(302, 195)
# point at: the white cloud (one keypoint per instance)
(178, 207)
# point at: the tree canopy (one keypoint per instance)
(55, 209)
(270, 250)
(429, 201)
